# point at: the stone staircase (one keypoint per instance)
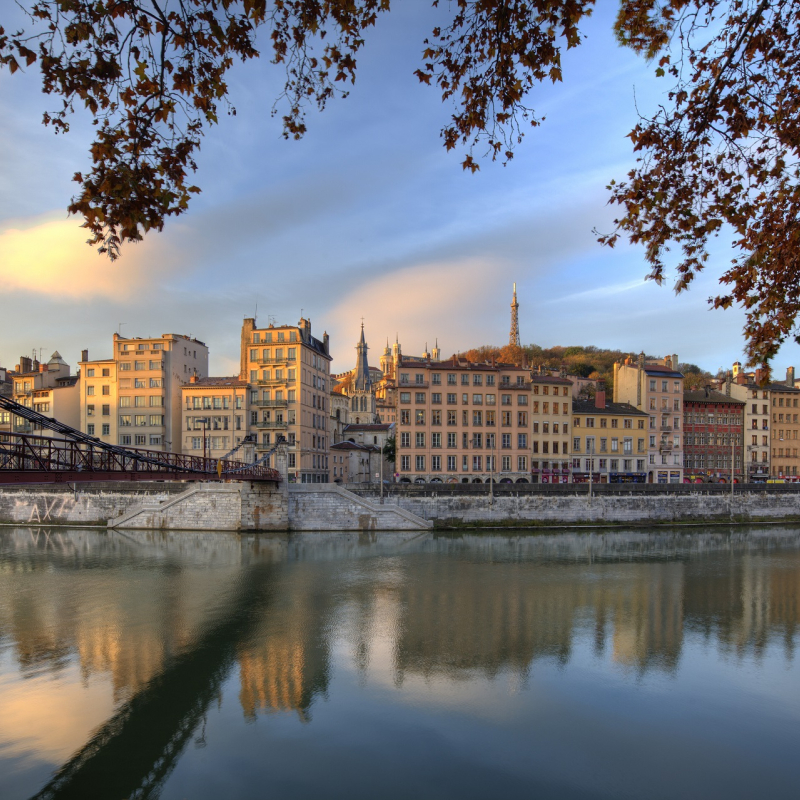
(329, 507)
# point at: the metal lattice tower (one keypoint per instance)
(513, 338)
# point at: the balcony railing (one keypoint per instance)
(273, 424)
(282, 360)
(273, 382)
(270, 403)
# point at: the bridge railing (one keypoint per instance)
(31, 453)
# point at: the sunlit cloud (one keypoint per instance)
(420, 303)
(49, 256)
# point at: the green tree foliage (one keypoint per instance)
(721, 151)
(390, 449)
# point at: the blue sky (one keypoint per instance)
(367, 216)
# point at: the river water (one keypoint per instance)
(593, 665)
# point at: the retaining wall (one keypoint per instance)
(317, 507)
(568, 505)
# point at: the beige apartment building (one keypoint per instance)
(99, 398)
(551, 411)
(785, 406)
(462, 422)
(288, 372)
(150, 374)
(50, 389)
(656, 387)
(216, 418)
(757, 421)
(609, 443)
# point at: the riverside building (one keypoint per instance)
(150, 373)
(216, 414)
(656, 387)
(460, 421)
(753, 391)
(50, 389)
(288, 374)
(99, 398)
(609, 441)
(785, 407)
(713, 427)
(551, 412)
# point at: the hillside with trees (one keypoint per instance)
(595, 363)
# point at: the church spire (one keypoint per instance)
(513, 338)
(362, 380)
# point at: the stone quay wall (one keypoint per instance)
(456, 506)
(326, 507)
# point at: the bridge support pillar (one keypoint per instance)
(265, 506)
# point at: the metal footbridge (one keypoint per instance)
(76, 457)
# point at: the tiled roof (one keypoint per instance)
(458, 363)
(381, 426)
(619, 409)
(205, 383)
(710, 396)
(550, 379)
(660, 369)
(779, 387)
(352, 446)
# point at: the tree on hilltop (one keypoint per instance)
(722, 152)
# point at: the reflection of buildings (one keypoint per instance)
(648, 617)
(285, 663)
(444, 607)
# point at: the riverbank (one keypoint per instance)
(309, 507)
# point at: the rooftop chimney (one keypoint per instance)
(193, 377)
(790, 377)
(600, 395)
(84, 355)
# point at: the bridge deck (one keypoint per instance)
(28, 459)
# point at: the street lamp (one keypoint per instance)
(383, 444)
(205, 421)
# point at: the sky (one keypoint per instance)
(367, 216)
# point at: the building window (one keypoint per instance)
(90, 390)
(420, 463)
(90, 429)
(522, 463)
(106, 429)
(436, 463)
(125, 439)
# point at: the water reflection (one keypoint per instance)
(170, 620)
